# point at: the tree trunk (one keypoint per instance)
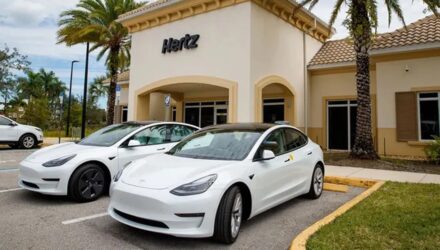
(113, 66)
(360, 27)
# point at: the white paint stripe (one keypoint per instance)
(67, 222)
(10, 190)
(9, 169)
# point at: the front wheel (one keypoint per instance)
(87, 183)
(229, 216)
(317, 183)
(27, 141)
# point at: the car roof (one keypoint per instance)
(251, 126)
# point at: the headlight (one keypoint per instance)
(118, 175)
(58, 162)
(196, 187)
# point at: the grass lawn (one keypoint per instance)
(397, 216)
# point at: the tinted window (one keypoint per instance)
(151, 136)
(4, 121)
(109, 135)
(275, 136)
(217, 145)
(294, 139)
(178, 132)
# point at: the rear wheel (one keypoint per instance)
(88, 183)
(27, 141)
(229, 216)
(317, 184)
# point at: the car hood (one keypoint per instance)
(163, 171)
(31, 127)
(58, 150)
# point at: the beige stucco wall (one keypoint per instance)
(277, 49)
(223, 52)
(423, 73)
(332, 86)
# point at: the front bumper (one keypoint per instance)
(162, 212)
(36, 177)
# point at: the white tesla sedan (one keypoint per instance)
(84, 170)
(214, 179)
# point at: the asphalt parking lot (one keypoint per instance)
(33, 221)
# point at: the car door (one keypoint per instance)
(151, 140)
(270, 177)
(299, 164)
(8, 132)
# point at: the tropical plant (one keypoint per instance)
(432, 151)
(362, 21)
(97, 89)
(94, 21)
(10, 62)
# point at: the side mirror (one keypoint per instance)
(133, 143)
(268, 155)
(13, 124)
(270, 145)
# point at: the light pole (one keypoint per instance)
(70, 98)
(84, 104)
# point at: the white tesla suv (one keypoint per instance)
(84, 170)
(18, 135)
(213, 180)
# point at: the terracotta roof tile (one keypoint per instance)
(423, 31)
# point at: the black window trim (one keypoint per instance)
(255, 159)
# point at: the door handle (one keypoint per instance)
(310, 153)
(160, 149)
(287, 160)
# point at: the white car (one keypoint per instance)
(18, 135)
(84, 170)
(213, 180)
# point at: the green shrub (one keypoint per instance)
(433, 150)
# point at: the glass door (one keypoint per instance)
(341, 124)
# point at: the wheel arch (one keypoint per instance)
(247, 197)
(98, 163)
(320, 163)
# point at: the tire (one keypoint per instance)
(27, 141)
(317, 183)
(229, 216)
(88, 183)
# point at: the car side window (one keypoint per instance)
(151, 136)
(294, 139)
(4, 121)
(278, 137)
(178, 132)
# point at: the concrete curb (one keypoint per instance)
(300, 242)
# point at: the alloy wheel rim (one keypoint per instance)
(318, 181)
(236, 215)
(28, 142)
(91, 183)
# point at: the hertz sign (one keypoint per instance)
(174, 45)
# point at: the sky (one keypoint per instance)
(31, 25)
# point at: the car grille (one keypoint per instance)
(30, 184)
(139, 220)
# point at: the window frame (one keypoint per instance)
(256, 158)
(167, 130)
(419, 121)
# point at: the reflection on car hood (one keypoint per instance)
(57, 151)
(163, 171)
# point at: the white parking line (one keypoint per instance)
(67, 222)
(10, 190)
(9, 169)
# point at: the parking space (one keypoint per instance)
(9, 158)
(30, 220)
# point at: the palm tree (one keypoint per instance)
(97, 88)
(94, 21)
(362, 21)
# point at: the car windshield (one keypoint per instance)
(217, 145)
(109, 135)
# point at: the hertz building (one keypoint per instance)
(209, 62)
